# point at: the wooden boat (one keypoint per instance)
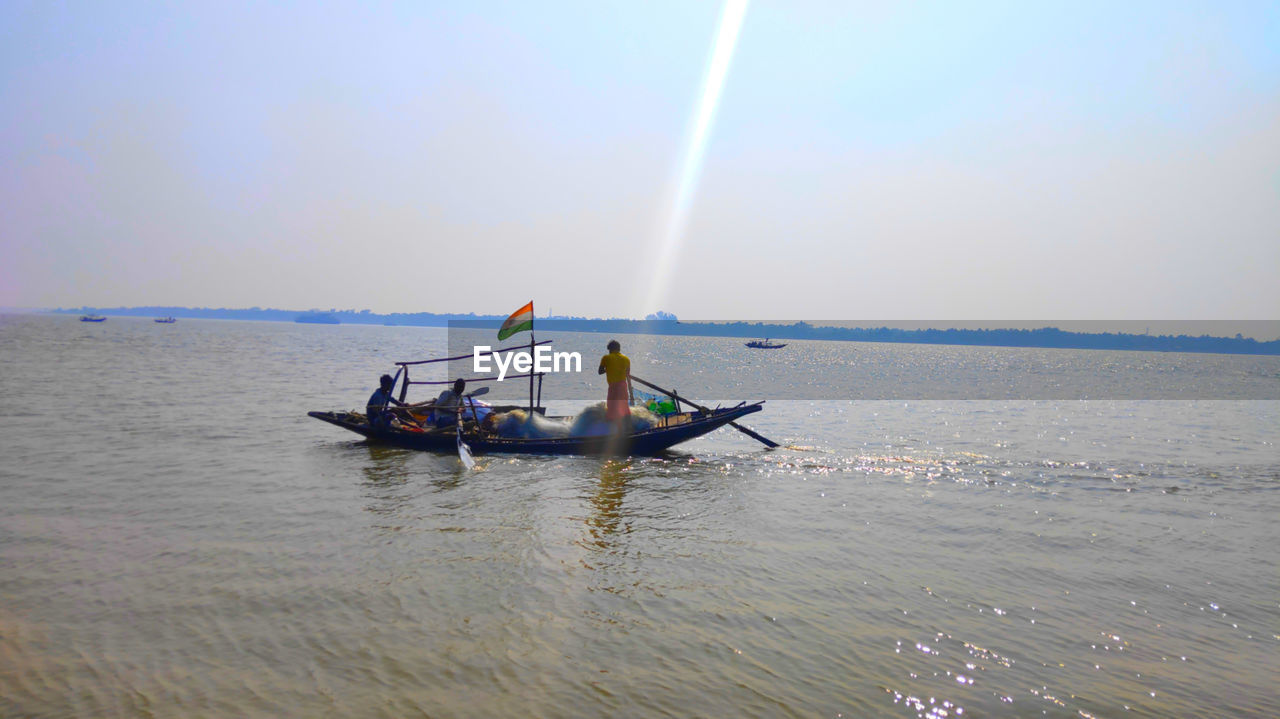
(165, 320)
(92, 318)
(672, 429)
(765, 345)
(675, 429)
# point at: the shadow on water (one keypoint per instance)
(393, 477)
(387, 465)
(394, 465)
(613, 566)
(630, 526)
(386, 475)
(605, 520)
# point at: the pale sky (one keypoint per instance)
(949, 160)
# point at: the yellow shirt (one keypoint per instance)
(616, 367)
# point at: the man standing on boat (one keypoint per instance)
(616, 368)
(376, 408)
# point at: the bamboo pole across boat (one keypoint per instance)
(758, 437)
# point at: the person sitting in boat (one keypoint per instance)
(446, 407)
(616, 368)
(376, 408)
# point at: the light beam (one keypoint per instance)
(671, 232)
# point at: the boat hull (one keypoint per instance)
(645, 443)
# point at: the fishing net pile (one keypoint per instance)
(659, 404)
(590, 422)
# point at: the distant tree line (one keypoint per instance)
(1050, 337)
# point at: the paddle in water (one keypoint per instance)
(464, 452)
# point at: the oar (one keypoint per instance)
(464, 452)
(760, 438)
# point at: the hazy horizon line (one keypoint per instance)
(1257, 330)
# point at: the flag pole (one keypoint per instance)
(531, 357)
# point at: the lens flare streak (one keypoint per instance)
(690, 166)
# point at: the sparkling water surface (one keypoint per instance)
(177, 538)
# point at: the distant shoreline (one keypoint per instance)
(1044, 337)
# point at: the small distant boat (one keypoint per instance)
(92, 318)
(165, 320)
(765, 344)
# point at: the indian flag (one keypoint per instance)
(519, 321)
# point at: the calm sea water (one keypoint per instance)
(177, 538)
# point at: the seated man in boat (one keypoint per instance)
(616, 368)
(376, 408)
(446, 406)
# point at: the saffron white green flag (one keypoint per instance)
(519, 321)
